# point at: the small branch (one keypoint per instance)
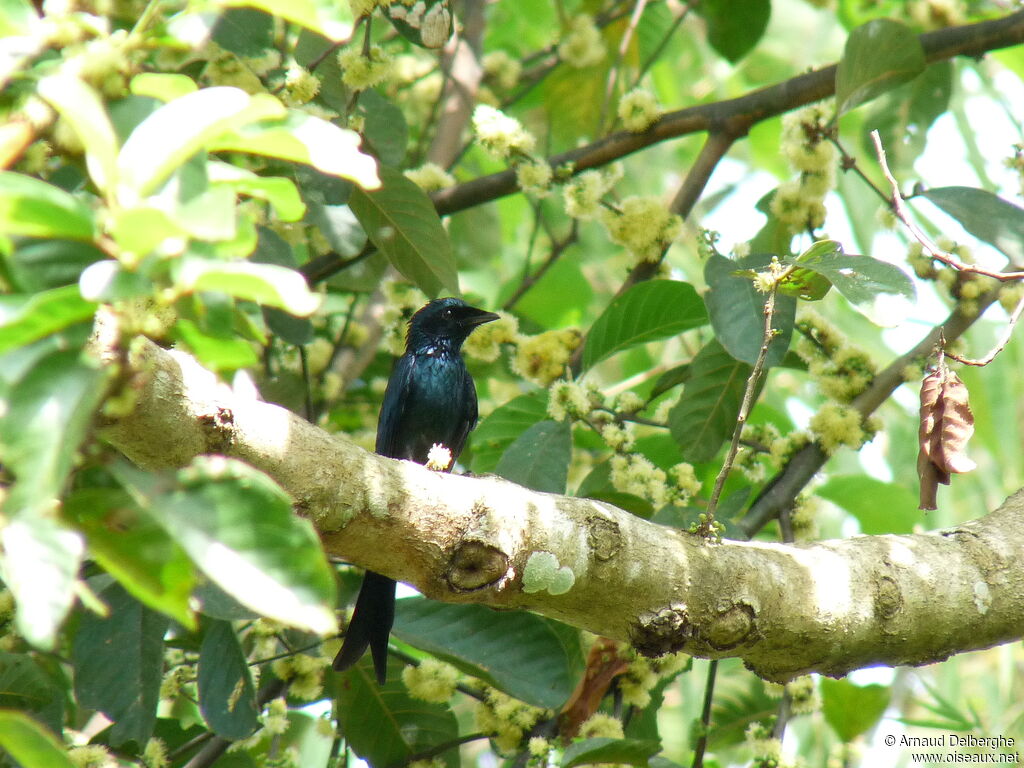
(620, 55)
(557, 249)
(933, 250)
(705, 716)
(1000, 345)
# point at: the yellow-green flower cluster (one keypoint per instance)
(485, 342)
(571, 400)
(305, 674)
(431, 680)
(937, 14)
(534, 177)
(401, 300)
(538, 746)
(155, 754)
(300, 85)
(582, 45)
(1010, 295)
(783, 448)
(264, 634)
(104, 62)
(500, 134)
(799, 203)
(638, 110)
(430, 177)
(502, 69)
(600, 725)
(835, 425)
(224, 68)
(542, 358)
(582, 196)
(636, 474)
(91, 756)
(803, 696)
(685, 482)
(504, 719)
(360, 72)
(642, 225)
(643, 674)
(766, 750)
(275, 719)
(619, 437)
(845, 375)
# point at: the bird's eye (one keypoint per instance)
(447, 314)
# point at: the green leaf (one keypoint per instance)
(215, 352)
(878, 56)
(134, 550)
(271, 248)
(227, 697)
(736, 308)
(539, 458)
(303, 138)
(988, 217)
(402, 222)
(735, 26)
(29, 743)
(739, 701)
(324, 17)
(16, 17)
(244, 31)
(238, 527)
(879, 507)
(119, 664)
(173, 133)
(266, 284)
(852, 709)
(165, 86)
(280, 192)
(37, 265)
(24, 319)
(880, 291)
(39, 565)
(49, 411)
(499, 430)
(26, 687)
(606, 750)
(516, 651)
(705, 415)
(648, 311)
(384, 128)
(82, 107)
(384, 725)
(36, 209)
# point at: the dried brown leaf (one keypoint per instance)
(946, 426)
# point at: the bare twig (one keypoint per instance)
(705, 716)
(620, 55)
(1000, 345)
(933, 250)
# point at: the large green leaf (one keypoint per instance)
(39, 565)
(26, 687)
(303, 138)
(519, 652)
(736, 308)
(385, 129)
(48, 414)
(238, 527)
(539, 458)
(852, 709)
(402, 222)
(133, 549)
(119, 664)
(24, 319)
(82, 107)
(878, 56)
(648, 311)
(735, 26)
(267, 284)
(34, 208)
(705, 415)
(227, 697)
(499, 430)
(29, 743)
(988, 217)
(324, 17)
(384, 725)
(607, 750)
(180, 128)
(739, 701)
(879, 507)
(280, 192)
(880, 291)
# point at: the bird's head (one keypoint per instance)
(445, 321)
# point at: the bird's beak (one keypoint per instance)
(475, 317)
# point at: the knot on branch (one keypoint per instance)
(888, 598)
(218, 428)
(731, 627)
(660, 632)
(474, 565)
(603, 537)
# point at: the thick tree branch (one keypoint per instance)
(829, 607)
(735, 116)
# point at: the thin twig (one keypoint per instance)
(649, 62)
(557, 249)
(620, 55)
(1000, 345)
(900, 208)
(705, 716)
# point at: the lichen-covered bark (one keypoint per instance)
(829, 607)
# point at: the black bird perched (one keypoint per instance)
(430, 399)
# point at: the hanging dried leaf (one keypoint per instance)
(604, 664)
(946, 426)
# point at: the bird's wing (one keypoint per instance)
(468, 417)
(395, 398)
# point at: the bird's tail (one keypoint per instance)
(370, 626)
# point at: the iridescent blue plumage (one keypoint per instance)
(430, 399)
